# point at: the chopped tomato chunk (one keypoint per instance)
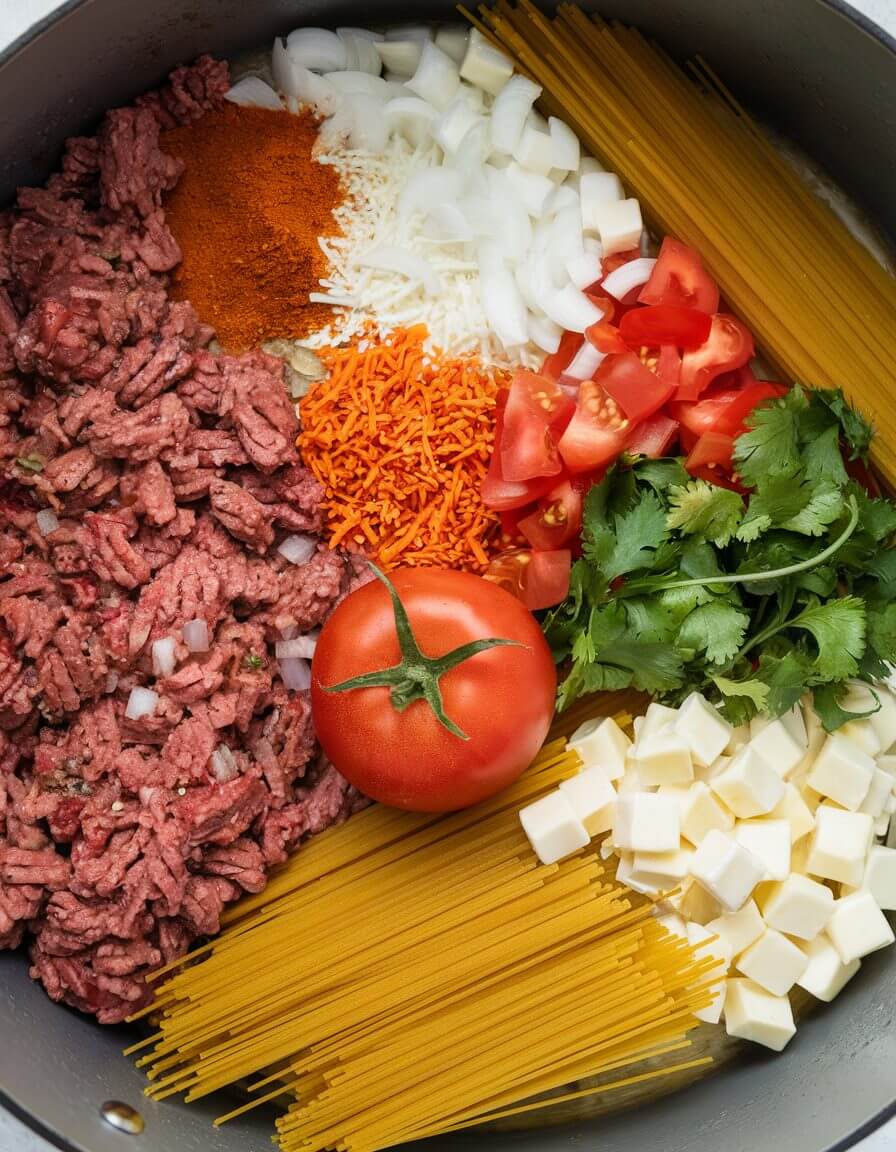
(680, 278)
(539, 579)
(665, 324)
(536, 406)
(597, 432)
(654, 437)
(729, 346)
(557, 519)
(638, 391)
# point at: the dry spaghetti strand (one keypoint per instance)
(401, 444)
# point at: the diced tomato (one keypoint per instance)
(539, 579)
(687, 439)
(505, 495)
(557, 363)
(712, 474)
(732, 419)
(654, 437)
(597, 432)
(535, 408)
(603, 300)
(729, 346)
(605, 338)
(511, 536)
(636, 390)
(679, 278)
(557, 519)
(611, 263)
(703, 415)
(665, 324)
(668, 365)
(712, 450)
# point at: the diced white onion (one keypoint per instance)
(454, 124)
(318, 49)
(534, 151)
(405, 263)
(362, 34)
(564, 145)
(544, 333)
(418, 33)
(532, 188)
(297, 549)
(300, 646)
(564, 241)
(253, 92)
(571, 309)
(560, 197)
(623, 279)
(584, 269)
(295, 673)
(359, 84)
(224, 765)
(401, 57)
(452, 39)
(141, 702)
(502, 301)
(436, 79)
(368, 132)
(509, 112)
(425, 187)
(585, 362)
(47, 521)
(596, 188)
(163, 656)
(412, 117)
(484, 65)
(470, 157)
(448, 224)
(195, 633)
(360, 50)
(300, 85)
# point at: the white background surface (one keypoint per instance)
(15, 17)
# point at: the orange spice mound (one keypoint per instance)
(401, 443)
(247, 213)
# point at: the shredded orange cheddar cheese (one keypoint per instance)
(401, 443)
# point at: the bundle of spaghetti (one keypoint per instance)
(406, 975)
(823, 309)
(401, 443)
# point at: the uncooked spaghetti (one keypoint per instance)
(823, 309)
(407, 975)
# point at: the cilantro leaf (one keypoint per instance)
(826, 700)
(823, 507)
(823, 458)
(786, 677)
(877, 518)
(661, 475)
(777, 498)
(650, 619)
(32, 463)
(838, 628)
(716, 629)
(882, 632)
(631, 541)
(771, 443)
(753, 690)
(857, 431)
(700, 509)
(652, 667)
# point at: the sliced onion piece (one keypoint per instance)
(253, 92)
(584, 269)
(424, 188)
(571, 309)
(367, 132)
(196, 636)
(502, 302)
(628, 276)
(470, 157)
(436, 79)
(532, 188)
(565, 239)
(317, 49)
(544, 333)
(585, 362)
(359, 84)
(561, 196)
(405, 263)
(509, 112)
(301, 647)
(360, 50)
(362, 34)
(141, 702)
(295, 673)
(47, 521)
(300, 85)
(448, 224)
(298, 549)
(224, 765)
(412, 117)
(534, 151)
(513, 227)
(452, 39)
(163, 656)
(401, 57)
(565, 149)
(453, 125)
(419, 33)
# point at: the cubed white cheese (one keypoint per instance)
(739, 929)
(748, 786)
(794, 809)
(773, 962)
(707, 772)
(696, 905)
(671, 866)
(839, 845)
(595, 190)
(863, 733)
(674, 923)
(701, 812)
(618, 223)
(553, 829)
(857, 927)
(769, 841)
(880, 876)
(782, 742)
(678, 792)
(879, 792)
(657, 718)
(645, 822)
(701, 727)
(484, 65)
(737, 738)
(751, 1013)
(726, 869)
(887, 763)
(593, 799)
(707, 946)
(797, 906)
(631, 782)
(842, 771)
(861, 697)
(826, 974)
(882, 825)
(638, 879)
(601, 743)
(663, 758)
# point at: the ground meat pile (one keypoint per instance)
(172, 476)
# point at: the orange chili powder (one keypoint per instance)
(247, 213)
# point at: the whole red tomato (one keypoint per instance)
(388, 739)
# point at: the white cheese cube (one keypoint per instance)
(879, 792)
(607, 848)
(882, 825)
(671, 866)
(663, 758)
(880, 876)
(674, 923)
(857, 927)
(696, 905)
(794, 809)
(678, 792)
(863, 733)
(773, 962)
(701, 727)
(637, 723)
(645, 822)
(737, 738)
(701, 812)
(595, 190)
(887, 763)
(618, 223)
(657, 718)
(726, 869)
(484, 65)
(552, 827)
(842, 771)
(799, 856)
(601, 743)
(739, 930)
(839, 845)
(798, 906)
(861, 697)
(751, 1013)
(708, 772)
(631, 781)
(748, 786)
(638, 879)
(769, 841)
(708, 947)
(782, 742)
(826, 974)
(593, 799)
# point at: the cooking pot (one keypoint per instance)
(825, 78)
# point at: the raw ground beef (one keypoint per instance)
(173, 476)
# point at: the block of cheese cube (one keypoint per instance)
(618, 224)
(773, 962)
(707, 772)
(826, 974)
(857, 927)
(715, 949)
(839, 845)
(748, 786)
(678, 792)
(673, 866)
(726, 869)
(705, 732)
(879, 792)
(737, 738)
(769, 841)
(842, 771)
(553, 828)
(701, 812)
(880, 876)
(794, 809)
(645, 822)
(797, 906)
(862, 698)
(882, 825)
(663, 758)
(601, 743)
(656, 718)
(593, 799)
(782, 742)
(863, 733)
(696, 904)
(751, 1013)
(739, 929)
(631, 781)
(639, 879)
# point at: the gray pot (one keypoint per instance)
(824, 77)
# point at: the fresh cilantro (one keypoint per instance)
(716, 629)
(786, 676)
(838, 628)
(629, 541)
(253, 661)
(701, 509)
(771, 444)
(32, 463)
(827, 698)
(856, 430)
(753, 690)
(824, 460)
(661, 475)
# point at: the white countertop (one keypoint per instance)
(15, 18)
